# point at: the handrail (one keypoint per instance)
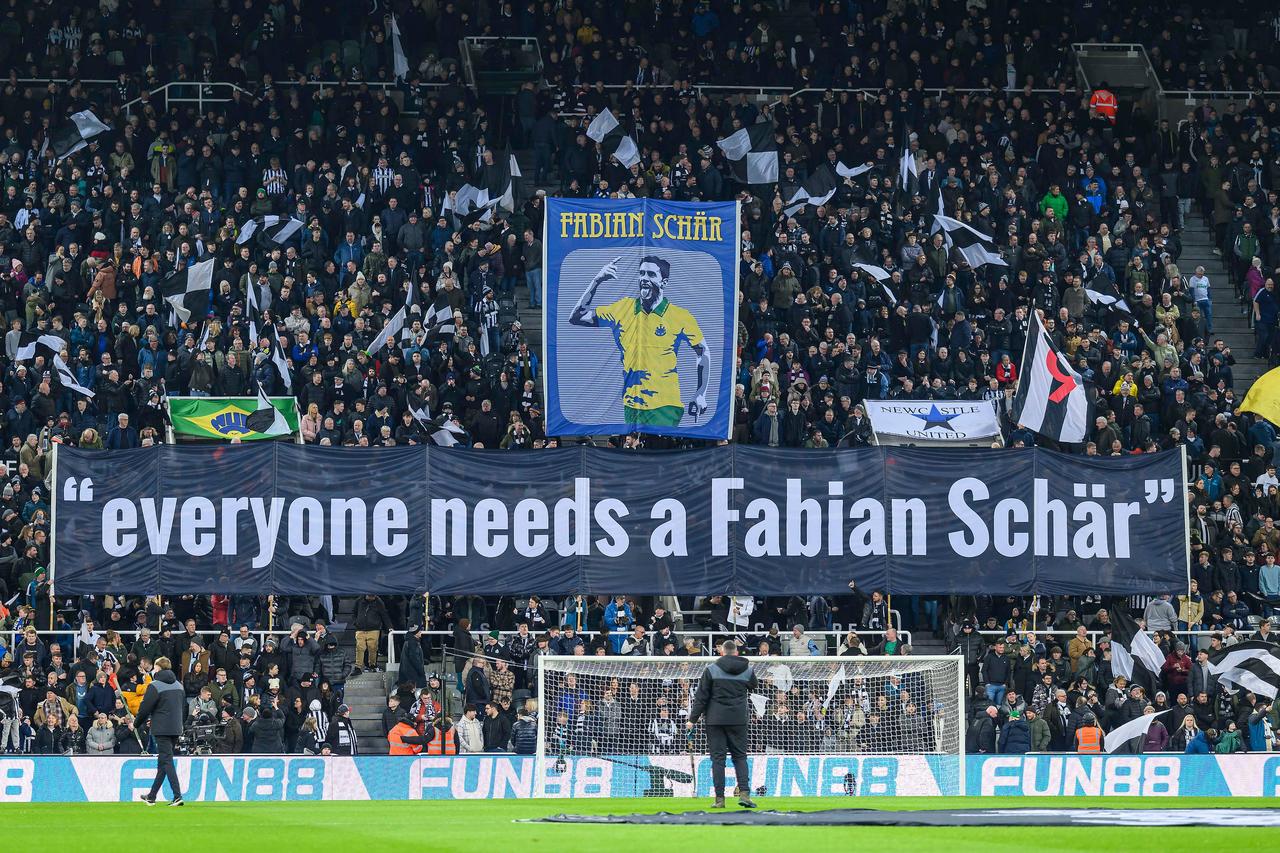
(394, 638)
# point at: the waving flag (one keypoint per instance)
(187, 290)
(1253, 665)
(75, 133)
(753, 153)
(1051, 398)
(1133, 653)
(975, 247)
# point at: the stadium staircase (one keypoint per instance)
(1230, 317)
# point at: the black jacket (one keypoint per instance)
(163, 704)
(412, 665)
(371, 615)
(723, 691)
(268, 734)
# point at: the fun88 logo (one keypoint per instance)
(232, 779)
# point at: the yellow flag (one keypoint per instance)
(1264, 397)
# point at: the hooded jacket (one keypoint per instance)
(163, 704)
(722, 692)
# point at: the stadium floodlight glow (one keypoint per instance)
(615, 726)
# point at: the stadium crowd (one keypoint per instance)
(1067, 195)
(77, 692)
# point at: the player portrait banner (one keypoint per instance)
(640, 317)
(275, 517)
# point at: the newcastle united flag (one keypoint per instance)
(975, 247)
(606, 130)
(1133, 653)
(75, 133)
(1102, 291)
(753, 153)
(278, 229)
(1253, 666)
(1051, 398)
(187, 290)
(817, 189)
(49, 347)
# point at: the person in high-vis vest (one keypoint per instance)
(403, 739)
(1089, 736)
(442, 741)
(1104, 103)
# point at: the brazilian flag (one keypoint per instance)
(224, 417)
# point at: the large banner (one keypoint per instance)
(295, 519)
(640, 316)
(280, 778)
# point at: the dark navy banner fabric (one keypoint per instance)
(292, 519)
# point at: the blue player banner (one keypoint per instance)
(640, 317)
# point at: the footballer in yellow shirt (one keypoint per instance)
(648, 330)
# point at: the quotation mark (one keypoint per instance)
(1159, 489)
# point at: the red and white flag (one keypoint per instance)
(1051, 398)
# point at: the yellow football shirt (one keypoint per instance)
(648, 342)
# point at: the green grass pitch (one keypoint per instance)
(488, 825)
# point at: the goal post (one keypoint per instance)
(819, 726)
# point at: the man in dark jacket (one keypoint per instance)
(996, 672)
(982, 734)
(334, 667)
(413, 669)
(163, 705)
(371, 619)
(268, 732)
(1015, 738)
(722, 698)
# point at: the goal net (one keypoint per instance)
(819, 726)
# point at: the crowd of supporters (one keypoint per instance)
(1067, 194)
(283, 691)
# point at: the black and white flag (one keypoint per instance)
(817, 189)
(853, 171)
(446, 432)
(31, 344)
(275, 228)
(975, 247)
(50, 348)
(267, 419)
(397, 322)
(399, 62)
(75, 133)
(1051, 398)
(281, 363)
(606, 130)
(187, 290)
(497, 180)
(1133, 653)
(440, 319)
(907, 166)
(1252, 665)
(464, 200)
(1136, 727)
(1102, 291)
(753, 153)
(881, 276)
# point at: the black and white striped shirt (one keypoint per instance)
(382, 178)
(274, 181)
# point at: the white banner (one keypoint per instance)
(934, 420)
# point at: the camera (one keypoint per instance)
(201, 736)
